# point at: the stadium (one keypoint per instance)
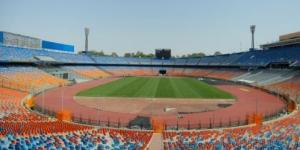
(116, 75)
(53, 98)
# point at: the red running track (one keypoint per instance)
(248, 101)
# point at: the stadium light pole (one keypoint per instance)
(252, 29)
(86, 32)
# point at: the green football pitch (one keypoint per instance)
(157, 87)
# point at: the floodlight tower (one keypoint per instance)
(252, 29)
(87, 32)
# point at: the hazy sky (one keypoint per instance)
(185, 26)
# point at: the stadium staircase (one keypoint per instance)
(156, 142)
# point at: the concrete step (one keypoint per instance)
(156, 142)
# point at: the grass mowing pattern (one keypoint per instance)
(157, 87)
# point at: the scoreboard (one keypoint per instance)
(18, 40)
(163, 53)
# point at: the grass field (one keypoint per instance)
(157, 87)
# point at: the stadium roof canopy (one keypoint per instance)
(290, 39)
